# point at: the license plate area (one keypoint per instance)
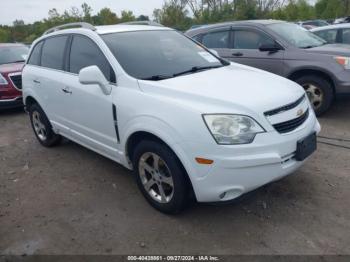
(306, 147)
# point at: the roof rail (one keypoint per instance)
(145, 22)
(78, 24)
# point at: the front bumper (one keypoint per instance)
(11, 103)
(239, 169)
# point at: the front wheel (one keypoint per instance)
(42, 127)
(160, 177)
(319, 91)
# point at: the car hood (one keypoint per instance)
(331, 49)
(11, 68)
(236, 87)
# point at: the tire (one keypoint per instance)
(167, 175)
(42, 127)
(319, 90)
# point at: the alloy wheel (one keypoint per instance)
(156, 177)
(39, 127)
(315, 95)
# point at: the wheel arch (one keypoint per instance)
(29, 100)
(136, 137)
(312, 71)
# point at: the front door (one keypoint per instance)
(91, 116)
(246, 43)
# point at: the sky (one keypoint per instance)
(35, 10)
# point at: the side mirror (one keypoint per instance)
(269, 48)
(92, 75)
(214, 52)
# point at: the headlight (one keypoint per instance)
(343, 61)
(232, 129)
(3, 81)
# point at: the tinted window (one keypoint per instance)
(197, 38)
(346, 36)
(35, 56)
(217, 39)
(163, 53)
(244, 39)
(13, 54)
(84, 52)
(53, 52)
(329, 35)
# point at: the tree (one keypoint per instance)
(87, 10)
(4, 35)
(106, 17)
(127, 16)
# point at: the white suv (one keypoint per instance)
(160, 104)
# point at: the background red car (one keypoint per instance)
(12, 58)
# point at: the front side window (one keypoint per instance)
(84, 52)
(13, 54)
(329, 35)
(53, 52)
(296, 35)
(35, 58)
(246, 39)
(219, 39)
(158, 54)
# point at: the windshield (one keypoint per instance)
(13, 54)
(157, 55)
(296, 35)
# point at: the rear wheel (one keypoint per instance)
(160, 177)
(319, 91)
(42, 127)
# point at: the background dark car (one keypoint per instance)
(285, 49)
(12, 57)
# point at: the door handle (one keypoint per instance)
(36, 81)
(237, 54)
(66, 90)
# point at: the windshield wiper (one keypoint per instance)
(157, 77)
(196, 69)
(18, 61)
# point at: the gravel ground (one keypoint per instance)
(69, 200)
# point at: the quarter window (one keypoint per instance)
(35, 58)
(216, 39)
(245, 39)
(53, 52)
(84, 52)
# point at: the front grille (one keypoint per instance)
(291, 125)
(285, 108)
(17, 81)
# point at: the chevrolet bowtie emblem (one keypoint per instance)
(300, 112)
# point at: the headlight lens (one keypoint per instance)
(232, 129)
(3, 81)
(343, 61)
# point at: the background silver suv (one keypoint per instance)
(285, 49)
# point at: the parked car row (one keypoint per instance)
(284, 49)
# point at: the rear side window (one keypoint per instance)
(246, 39)
(217, 39)
(53, 52)
(84, 52)
(35, 58)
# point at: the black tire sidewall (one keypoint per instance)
(51, 138)
(179, 198)
(325, 86)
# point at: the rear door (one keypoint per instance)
(50, 80)
(245, 50)
(218, 39)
